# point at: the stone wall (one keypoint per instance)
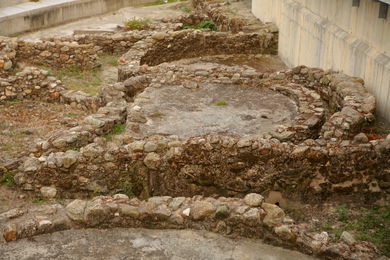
(189, 43)
(214, 13)
(332, 109)
(164, 47)
(31, 83)
(114, 43)
(230, 165)
(249, 217)
(7, 56)
(57, 54)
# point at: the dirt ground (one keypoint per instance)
(21, 122)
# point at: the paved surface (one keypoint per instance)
(108, 21)
(189, 112)
(127, 244)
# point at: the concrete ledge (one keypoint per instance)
(5, 3)
(32, 16)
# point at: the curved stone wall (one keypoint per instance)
(315, 156)
(248, 217)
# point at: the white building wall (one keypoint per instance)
(332, 34)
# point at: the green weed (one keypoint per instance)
(117, 129)
(206, 24)
(342, 210)
(221, 103)
(39, 200)
(136, 24)
(7, 177)
(127, 188)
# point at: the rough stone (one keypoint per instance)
(253, 199)
(152, 161)
(202, 209)
(129, 210)
(274, 215)
(347, 238)
(284, 232)
(95, 212)
(48, 192)
(75, 210)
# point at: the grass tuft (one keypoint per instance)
(205, 24)
(136, 24)
(7, 177)
(117, 129)
(221, 103)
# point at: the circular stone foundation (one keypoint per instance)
(211, 108)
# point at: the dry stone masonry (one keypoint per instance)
(248, 217)
(312, 155)
(316, 152)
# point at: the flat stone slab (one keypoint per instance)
(211, 108)
(142, 244)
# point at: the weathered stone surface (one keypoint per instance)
(202, 209)
(152, 161)
(347, 238)
(75, 210)
(284, 232)
(31, 164)
(48, 192)
(222, 211)
(96, 212)
(274, 215)
(70, 158)
(129, 210)
(252, 217)
(253, 199)
(360, 138)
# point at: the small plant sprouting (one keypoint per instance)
(7, 177)
(117, 129)
(341, 210)
(38, 200)
(127, 188)
(221, 103)
(205, 24)
(136, 24)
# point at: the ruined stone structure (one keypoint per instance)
(314, 152)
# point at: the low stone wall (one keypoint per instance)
(94, 125)
(57, 54)
(7, 56)
(189, 43)
(214, 12)
(170, 46)
(31, 83)
(332, 109)
(249, 217)
(345, 95)
(215, 165)
(114, 43)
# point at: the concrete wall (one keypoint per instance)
(32, 16)
(332, 34)
(5, 3)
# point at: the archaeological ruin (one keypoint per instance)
(194, 133)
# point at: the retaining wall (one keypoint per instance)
(332, 34)
(33, 16)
